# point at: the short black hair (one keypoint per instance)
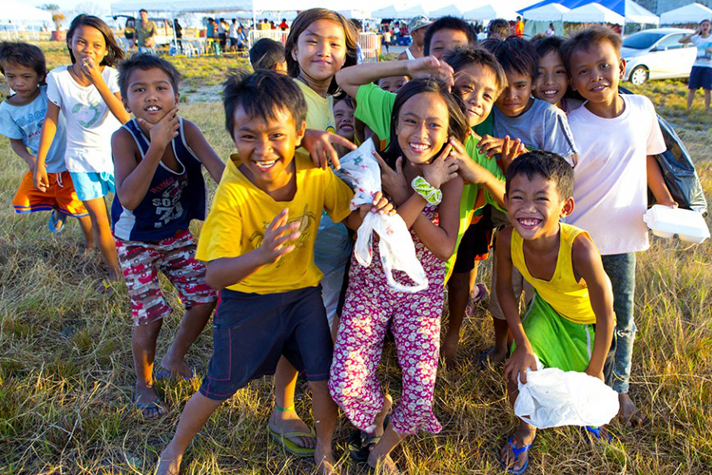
(262, 94)
(142, 11)
(547, 164)
(266, 53)
(145, 61)
(514, 54)
(448, 23)
(499, 26)
(463, 57)
(584, 39)
(546, 44)
(23, 54)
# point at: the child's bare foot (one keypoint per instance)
(515, 453)
(147, 401)
(383, 465)
(168, 463)
(449, 350)
(325, 463)
(176, 367)
(492, 356)
(629, 412)
(285, 422)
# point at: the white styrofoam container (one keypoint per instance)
(666, 222)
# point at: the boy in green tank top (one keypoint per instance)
(569, 322)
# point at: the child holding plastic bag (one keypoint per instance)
(569, 322)
(425, 117)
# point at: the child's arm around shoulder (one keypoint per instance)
(588, 266)
(202, 149)
(133, 177)
(523, 356)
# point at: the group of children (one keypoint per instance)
(461, 130)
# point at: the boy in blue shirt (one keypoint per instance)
(158, 158)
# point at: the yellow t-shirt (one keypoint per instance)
(565, 295)
(320, 110)
(241, 212)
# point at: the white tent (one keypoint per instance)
(693, 13)
(490, 12)
(412, 12)
(551, 12)
(450, 10)
(634, 13)
(387, 12)
(593, 13)
(357, 14)
(16, 12)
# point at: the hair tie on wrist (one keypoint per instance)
(431, 194)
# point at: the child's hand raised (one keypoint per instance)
(431, 67)
(320, 145)
(380, 205)
(90, 70)
(511, 149)
(393, 181)
(522, 359)
(279, 236)
(165, 130)
(441, 169)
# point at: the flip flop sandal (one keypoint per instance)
(56, 225)
(598, 435)
(360, 443)
(142, 406)
(517, 451)
(164, 374)
(291, 446)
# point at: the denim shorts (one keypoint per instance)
(92, 185)
(251, 332)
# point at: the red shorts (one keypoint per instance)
(60, 194)
(175, 257)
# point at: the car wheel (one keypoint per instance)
(639, 75)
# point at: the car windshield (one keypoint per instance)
(642, 40)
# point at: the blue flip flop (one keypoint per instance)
(596, 432)
(517, 452)
(53, 221)
(164, 374)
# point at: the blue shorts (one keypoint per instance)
(700, 77)
(251, 332)
(92, 185)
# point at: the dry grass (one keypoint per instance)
(66, 376)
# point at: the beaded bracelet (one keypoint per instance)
(431, 194)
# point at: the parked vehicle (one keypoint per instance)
(657, 54)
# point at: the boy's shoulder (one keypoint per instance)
(545, 109)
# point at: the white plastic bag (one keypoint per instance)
(552, 398)
(360, 169)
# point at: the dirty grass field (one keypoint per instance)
(66, 376)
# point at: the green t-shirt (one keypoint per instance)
(144, 32)
(374, 107)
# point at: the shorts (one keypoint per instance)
(251, 332)
(59, 194)
(175, 257)
(92, 185)
(700, 77)
(474, 246)
(557, 341)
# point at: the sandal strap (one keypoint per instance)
(517, 451)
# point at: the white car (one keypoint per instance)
(657, 54)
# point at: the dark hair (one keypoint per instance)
(144, 62)
(143, 10)
(458, 125)
(463, 57)
(514, 54)
(585, 38)
(499, 26)
(342, 96)
(115, 53)
(302, 22)
(547, 164)
(23, 54)
(262, 94)
(546, 44)
(266, 53)
(448, 23)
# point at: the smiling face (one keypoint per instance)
(344, 119)
(150, 94)
(552, 80)
(266, 148)
(535, 207)
(596, 72)
(422, 127)
(515, 99)
(24, 80)
(88, 42)
(445, 40)
(477, 87)
(321, 50)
